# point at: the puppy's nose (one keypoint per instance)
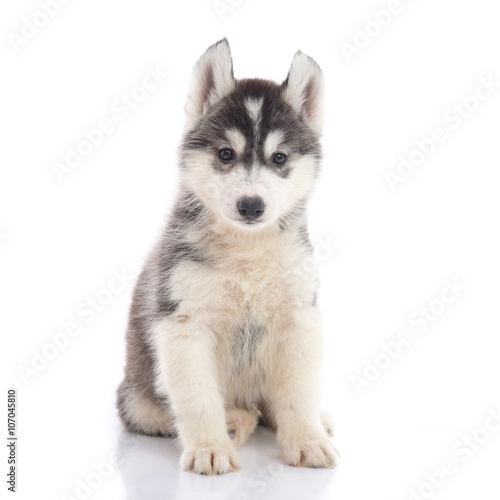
(251, 208)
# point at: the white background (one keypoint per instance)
(61, 240)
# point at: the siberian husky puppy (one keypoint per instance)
(224, 328)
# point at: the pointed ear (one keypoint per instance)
(211, 81)
(303, 90)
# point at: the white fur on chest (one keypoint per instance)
(267, 283)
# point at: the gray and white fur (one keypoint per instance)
(224, 329)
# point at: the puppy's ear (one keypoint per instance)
(211, 81)
(303, 90)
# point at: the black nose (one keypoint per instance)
(251, 208)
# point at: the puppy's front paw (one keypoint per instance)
(312, 452)
(210, 460)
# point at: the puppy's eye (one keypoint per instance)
(226, 154)
(279, 158)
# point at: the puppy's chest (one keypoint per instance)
(255, 299)
(258, 285)
(231, 287)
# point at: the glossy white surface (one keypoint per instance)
(149, 470)
(60, 242)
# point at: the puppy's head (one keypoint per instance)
(251, 150)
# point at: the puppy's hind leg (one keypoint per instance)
(240, 424)
(143, 414)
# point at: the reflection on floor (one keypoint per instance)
(150, 471)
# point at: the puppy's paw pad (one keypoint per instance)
(210, 460)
